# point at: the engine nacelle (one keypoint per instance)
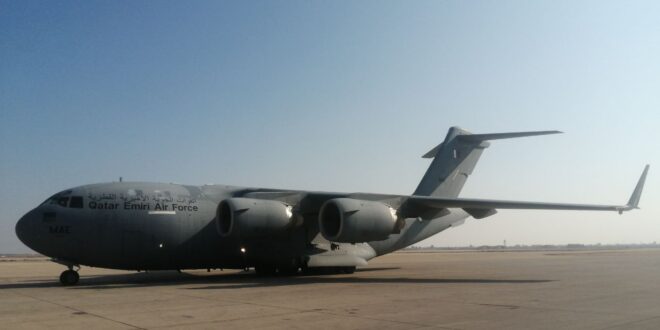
(251, 218)
(349, 220)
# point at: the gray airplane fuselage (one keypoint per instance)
(150, 226)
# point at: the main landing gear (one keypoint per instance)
(330, 270)
(264, 270)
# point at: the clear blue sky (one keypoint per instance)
(339, 96)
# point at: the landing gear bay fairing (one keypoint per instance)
(161, 226)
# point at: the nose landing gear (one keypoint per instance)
(70, 276)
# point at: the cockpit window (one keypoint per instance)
(46, 201)
(76, 202)
(63, 201)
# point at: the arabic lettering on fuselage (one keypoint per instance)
(137, 200)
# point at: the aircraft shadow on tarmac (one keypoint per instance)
(248, 280)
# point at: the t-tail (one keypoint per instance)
(455, 158)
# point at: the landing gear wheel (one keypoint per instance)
(265, 270)
(287, 271)
(348, 270)
(69, 277)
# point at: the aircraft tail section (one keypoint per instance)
(455, 158)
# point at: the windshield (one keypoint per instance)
(63, 198)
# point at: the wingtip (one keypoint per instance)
(633, 202)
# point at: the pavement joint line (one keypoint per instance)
(627, 324)
(294, 311)
(559, 309)
(322, 311)
(239, 302)
(226, 320)
(385, 320)
(82, 311)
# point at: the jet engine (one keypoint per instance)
(347, 220)
(250, 218)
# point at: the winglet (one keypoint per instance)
(633, 202)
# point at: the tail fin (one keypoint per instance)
(455, 159)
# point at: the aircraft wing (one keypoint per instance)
(420, 206)
(479, 208)
(427, 207)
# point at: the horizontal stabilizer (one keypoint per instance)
(467, 137)
(433, 152)
(497, 136)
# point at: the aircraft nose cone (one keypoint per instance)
(24, 227)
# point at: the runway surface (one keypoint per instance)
(613, 289)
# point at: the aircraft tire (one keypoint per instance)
(265, 270)
(288, 271)
(348, 270)
(69, 277)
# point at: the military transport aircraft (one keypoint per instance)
(160, 226)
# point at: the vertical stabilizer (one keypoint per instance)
(455, 158)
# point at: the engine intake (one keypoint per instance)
(250, 218)
(347, 220)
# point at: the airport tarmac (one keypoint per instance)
(611, 289)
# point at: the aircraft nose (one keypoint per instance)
(25, 227)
